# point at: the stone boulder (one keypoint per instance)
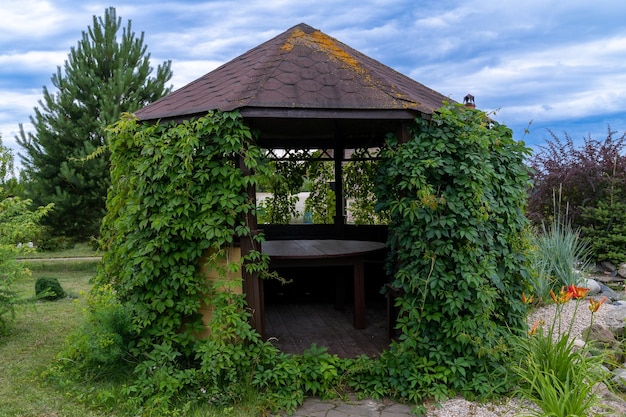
(592, 284)
(608, 266)
(609, 293)
(615, 319)
(619, 378)
(600, 337)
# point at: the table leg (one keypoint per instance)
(359, 294)
(340, 291)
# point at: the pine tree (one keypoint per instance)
(103, 77)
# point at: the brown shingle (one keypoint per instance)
(301, 69)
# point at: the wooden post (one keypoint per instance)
(339, 218)
(359, 294)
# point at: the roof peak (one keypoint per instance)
(302, 70)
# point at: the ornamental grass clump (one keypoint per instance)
(558, 378)
(558, 247)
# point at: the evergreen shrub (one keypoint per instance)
(49, 288)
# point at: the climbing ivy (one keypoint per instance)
(321, 200)
(178, 194)
(455, 192)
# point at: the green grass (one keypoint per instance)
(38, 334)
(35, 338)
(80, 250)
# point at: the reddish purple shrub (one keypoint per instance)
(587, 174)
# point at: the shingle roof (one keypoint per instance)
(300, 73)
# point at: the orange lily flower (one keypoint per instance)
(553, 297)
(564, 296)
(577, 292)
(595, 305)
(527, 300)
(534, 329)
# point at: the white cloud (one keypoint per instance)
(44, 61)
(29, 19)
(188, 71)
(550, 61)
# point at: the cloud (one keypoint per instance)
(13, 105)
(560, 64)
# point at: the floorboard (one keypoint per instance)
(293, 327)
(303, 311)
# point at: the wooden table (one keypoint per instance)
(326, 252)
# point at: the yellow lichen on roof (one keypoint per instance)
(329, 45)
(325, 44)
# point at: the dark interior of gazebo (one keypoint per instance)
(304, 90)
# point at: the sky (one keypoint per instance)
(540, 65)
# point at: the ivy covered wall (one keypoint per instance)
(455, 196)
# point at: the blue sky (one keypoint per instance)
(558, 64)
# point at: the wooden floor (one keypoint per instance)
(293, 327)
(303, 311)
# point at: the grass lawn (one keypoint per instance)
(36, 337)
(80, 250)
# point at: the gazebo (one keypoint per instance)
(305, 90)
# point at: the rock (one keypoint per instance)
(608, 266)
(600, 337)
(615, 319)
(592, 284)
(579, 343)
(620, 379)
(621, 271)
(608, 293)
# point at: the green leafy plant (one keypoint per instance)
(321, 200)
(283, 180)
(359, 184)
(321, 372)
(102, 342)
(455, 193)
(18, 224)
(10, 271)
(558, 378)
(179, 194)
(48, 243)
